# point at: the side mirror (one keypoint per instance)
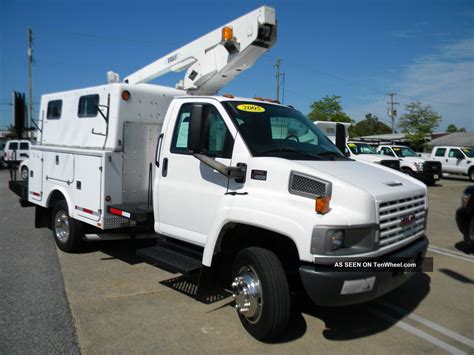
(341, 137)
(198, 123)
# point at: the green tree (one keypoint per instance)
(368, 127)
(418, 123)
(329, 108)
(452, 128)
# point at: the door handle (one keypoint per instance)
(446, 160)
(164, 169)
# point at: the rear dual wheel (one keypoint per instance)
(68, 232)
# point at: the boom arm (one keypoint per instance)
(216, 58)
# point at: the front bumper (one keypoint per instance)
(324, 285)
(424, 176)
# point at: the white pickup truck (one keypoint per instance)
(366, 153)
(249, 194)
(412, 164)
(455, 160)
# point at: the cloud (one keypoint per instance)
(444, 80)
(404, 33)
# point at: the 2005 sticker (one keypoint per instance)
(250, 108)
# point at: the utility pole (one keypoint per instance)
(392, 112)
(278, 77)
(30, 79)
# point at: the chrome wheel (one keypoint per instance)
(61, 226)
(248, 294)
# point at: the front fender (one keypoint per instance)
(261, 219)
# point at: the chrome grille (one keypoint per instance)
(401, 219)
(308, 186)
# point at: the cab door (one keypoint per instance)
(455, 161)
(190, 193)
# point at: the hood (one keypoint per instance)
(414, 159)
(381, 182)
(371, 158)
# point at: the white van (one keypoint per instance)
(16, 151)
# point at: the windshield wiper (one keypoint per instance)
(288, 150)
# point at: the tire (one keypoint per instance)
(267, 314)
(471, 174)
(24, 173)
(469, 236)
(408, 171)
(430, 182)
(68, 232)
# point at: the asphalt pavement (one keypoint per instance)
(34, 311)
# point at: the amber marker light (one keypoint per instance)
(126, 95)
(227, 33)
(322, 204)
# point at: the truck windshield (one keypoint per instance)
(279, 131)
(361, 148)
(469, 152)
(403, 152)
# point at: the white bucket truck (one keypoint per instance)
(244, 191)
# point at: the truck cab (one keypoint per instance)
(455, 160)
(412, 164)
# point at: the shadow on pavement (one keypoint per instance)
(352, 322)
(457, 276)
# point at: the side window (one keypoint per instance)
(179, 144)
(219, 142)
(24, 146)
(455, 153)
(88, 106)
(55, 108)
(13, 146)
(388, 151)
(440, 152)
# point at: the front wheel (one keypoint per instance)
(68, 232)
(261, 293)
(408, 171)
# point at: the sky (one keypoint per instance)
(357, 49)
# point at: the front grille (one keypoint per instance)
(394, 164)
(432, 167)
(308, 186)
(401, 219)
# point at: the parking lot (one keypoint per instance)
(108, 300)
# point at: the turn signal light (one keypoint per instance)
(227, 34)
(322, 204)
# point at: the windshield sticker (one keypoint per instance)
(396, 149)
(250, 108)
(466, 150)
(352, 145)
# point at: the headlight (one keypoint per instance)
(343, 240)
(419, 166)
(337, 239)
(465, 199)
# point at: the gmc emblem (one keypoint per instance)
(407, 220)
